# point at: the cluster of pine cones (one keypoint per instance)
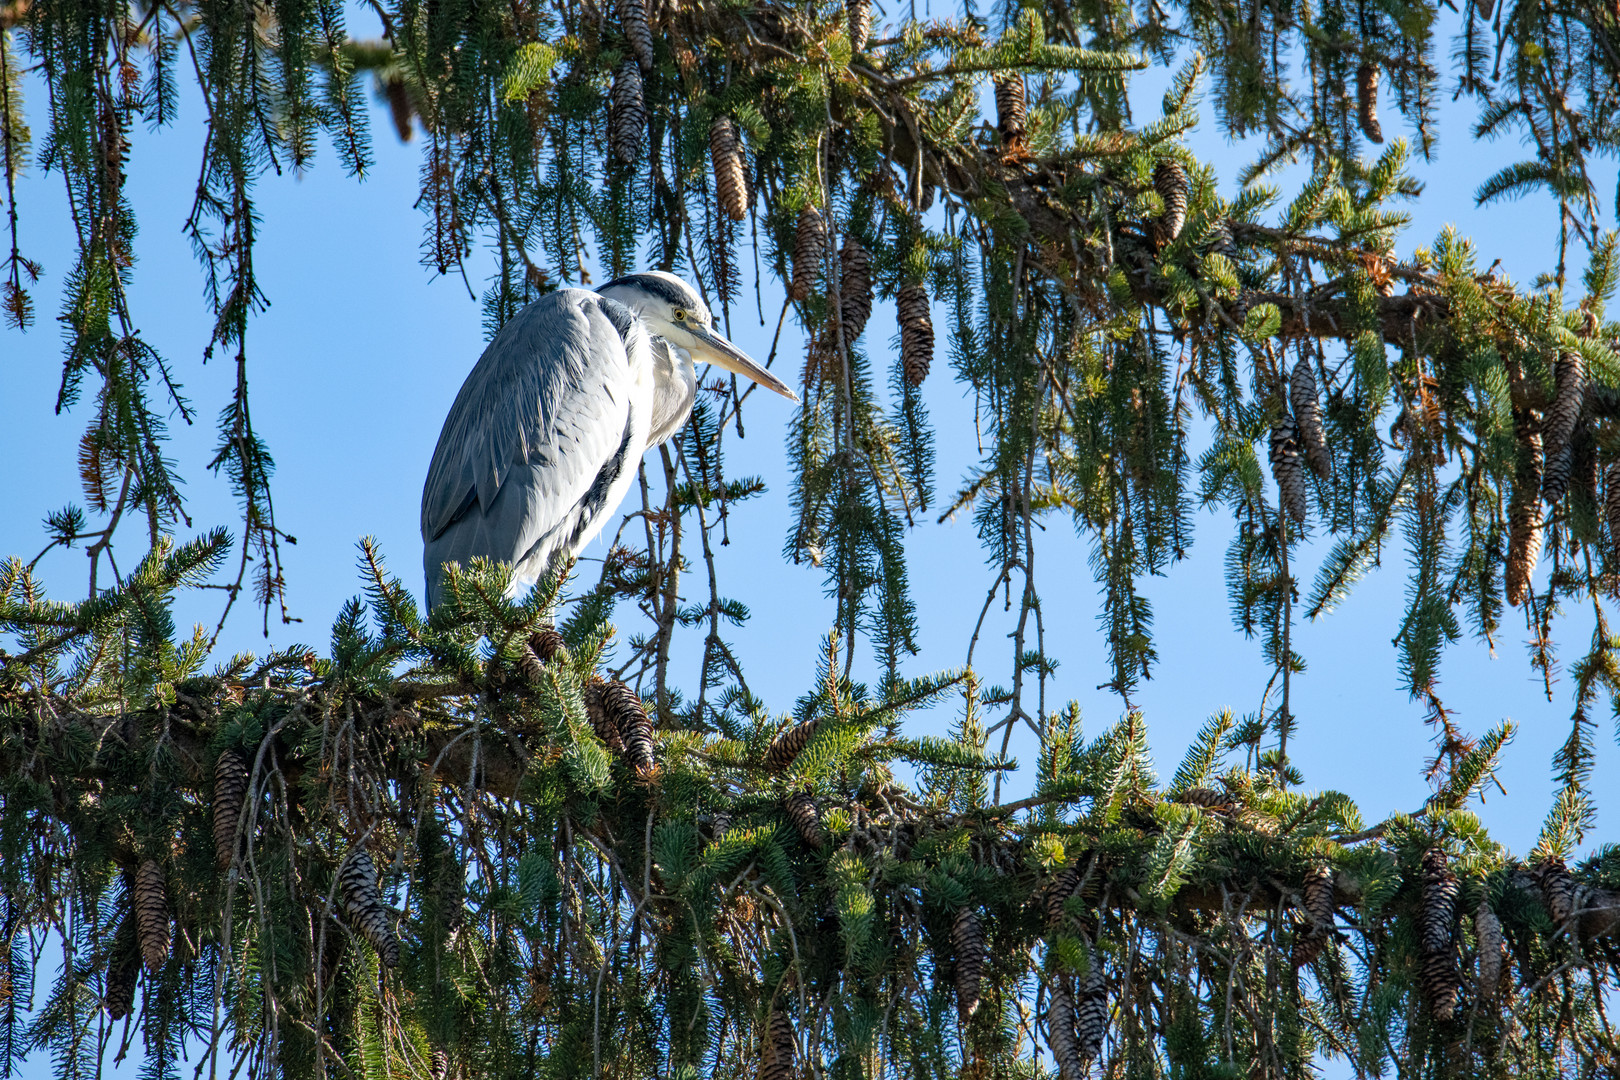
(1298, 440)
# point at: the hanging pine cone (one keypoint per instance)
(1318, 902)
(1308, 418)
(777, 1061)
(1558, 430)
(546, 643)
(967, 943)
(1170, 181)
(152, 915)
(357, 878)
(1558, 891)
(1091, 1011)
(230, 789)
(123, 969)
(1583, 457)
(1208, 798)
(625, 712)
(633, 21)
(809, 245)
(1367, 100)
(916, 333)
(725, 154)
(786, 746)
(1012, 117)
(1060, 1029)
(399, 106)
(854, 287)
(1524, 517)
(859, 13)
(1611, 509)
(1492, 950)
(627, 112)
(601, 723)
(1058, 892)
(1437, 919)
(806, 817)
(1287, 468)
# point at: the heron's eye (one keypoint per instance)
(680, 314)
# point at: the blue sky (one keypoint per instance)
(357, 359)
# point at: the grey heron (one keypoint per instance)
(546, 435)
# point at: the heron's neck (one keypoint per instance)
(674, 389)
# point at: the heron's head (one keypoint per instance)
(675, 311)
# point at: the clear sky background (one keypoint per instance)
(362, 350)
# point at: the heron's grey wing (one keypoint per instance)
(544, 410)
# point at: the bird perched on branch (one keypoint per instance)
(544, 439)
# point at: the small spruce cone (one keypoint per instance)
(967, 942)
(1318, 899)
(1012, 117)
(152, 915)
(1208, 798)
(633, 21)
(1437, 920)
(854, 287)
(1308, 418)
(1492, 950)
(363, 904)
(123, 969)
(1558, 430)
(859, 13)
(1061, 1033)
(626, 712)
(230, 789)
(1524, 517)
(1091, 1012)
(605, 728)
(1611, 509)
(627, 112)
(806, 817)
(1058, 892)
(809, 245)
(730, 185)
(1367, 100)
(441, 1064)
(777, 1062)
(916, 334)
(1287, 468)
(399, 105)
(1170, 181)
(1438, 917)
(1557, 890)
(546, 643)
(786, 746)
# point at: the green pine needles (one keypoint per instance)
(441, 849)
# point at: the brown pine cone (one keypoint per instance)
(1308, 418)
(786, 746)
(809, 246)
(230, 790)
(1287, 468)
(854, 287)
(1558, 430)
(123, 969)
(633, 21)
(1058, 891)
(1492, 951)
(1012, 117)
(1611, 509)
(916, 333)
(362, 902)
(1060, 1027)
(1091, 1011)
(1367, 100)
(725, 154)
(152, 915)
(626, 713)
(859, 15)
(627, 112)
(806, 817)
(777, 1061)
(1170, 181)
(967, 943)
(1524, 517)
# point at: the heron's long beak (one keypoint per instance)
(720, 351)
